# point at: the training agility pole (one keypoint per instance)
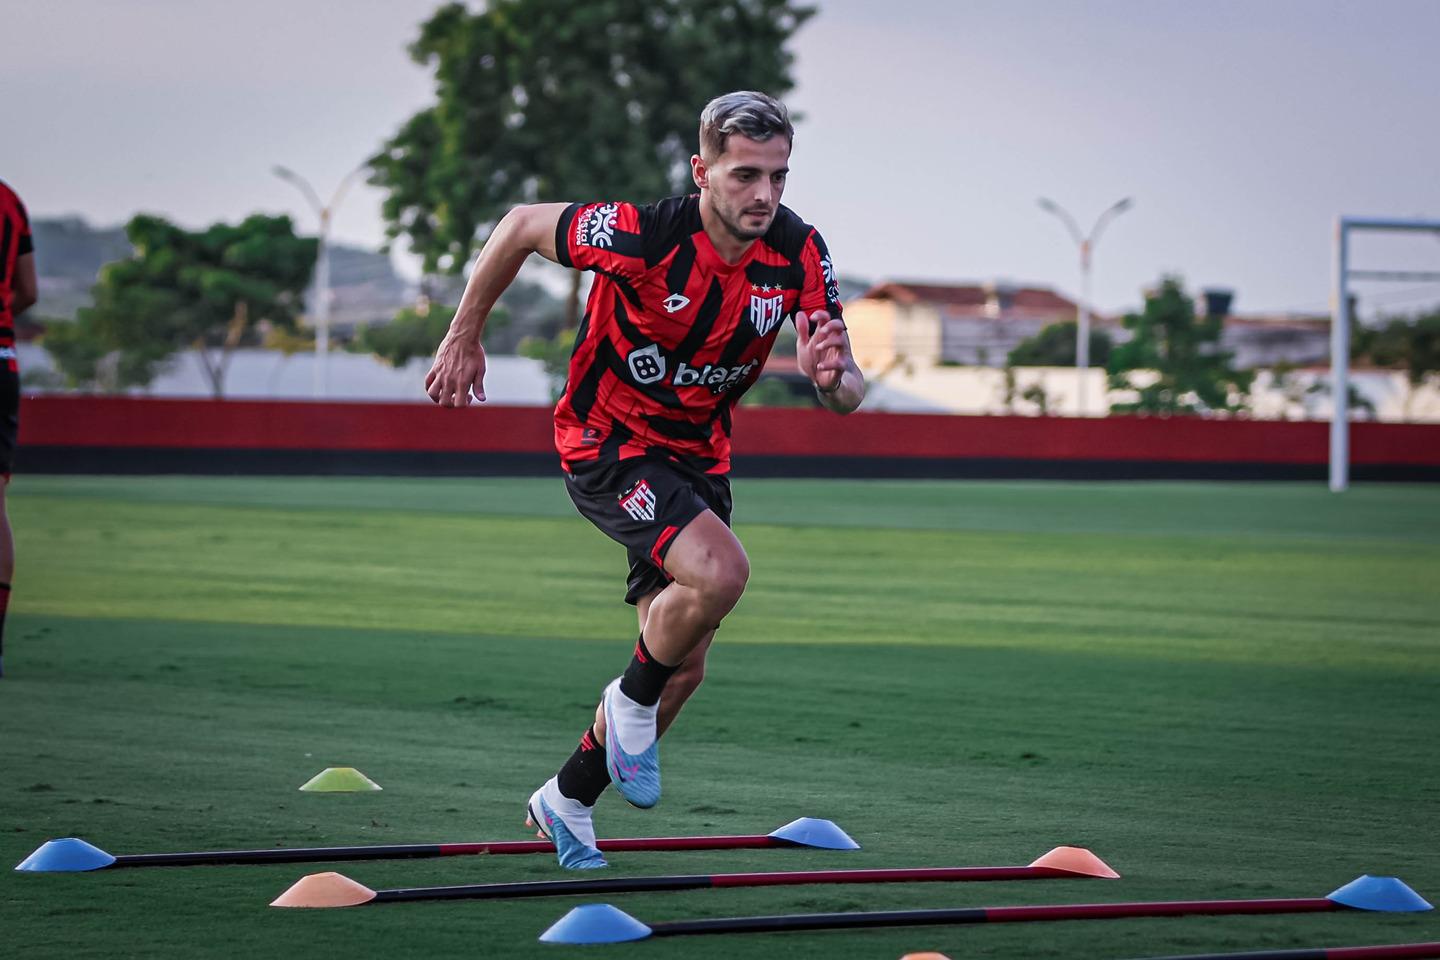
(603, 923)
(337, 890)
(1388, 951)
(72, 855)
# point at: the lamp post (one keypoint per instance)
(320, 302)
(1087, 248)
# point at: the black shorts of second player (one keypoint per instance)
(643, 503)
(9, 414)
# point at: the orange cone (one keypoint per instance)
(1077, 860)
(324, 890)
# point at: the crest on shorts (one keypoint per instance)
(639, 501)
(766, 312)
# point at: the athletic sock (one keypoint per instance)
(584, 777)
(4, 604)
(645, 677)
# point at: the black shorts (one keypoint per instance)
(9, 415)
(643, 503)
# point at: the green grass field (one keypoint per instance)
(1223, 690)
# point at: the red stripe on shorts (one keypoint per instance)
(665, 537)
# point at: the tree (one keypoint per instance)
(1173, 360)
(557, 100)
(415, 332)
(209, 290)
(1411, 343)
(1054, 346)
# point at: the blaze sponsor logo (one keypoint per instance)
(595, 227)
(717, 377)
(647, 365)
(676, 301)
(766, 312)
(639, 502)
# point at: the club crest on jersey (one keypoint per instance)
(639, 501)
(647, 364)
(595, 227)
(766, 312)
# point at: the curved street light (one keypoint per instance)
(1087, 247)
(320, 304)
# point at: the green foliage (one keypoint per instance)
(415, 332)
(208, 290)
(1409, 343)
(1173, 360)
(1054, 346)
(554, 352)
(556, 100)
(778, 392)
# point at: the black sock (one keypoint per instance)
(645, 677)
(584, 776)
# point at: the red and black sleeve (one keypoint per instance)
(820, 291)
(605, 237)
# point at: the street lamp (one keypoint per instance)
(320, 303)
(1087, 247)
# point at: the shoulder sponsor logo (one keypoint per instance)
(639, 502)
(647, 365)
(832, 289)
(676, 301)
(595, 227)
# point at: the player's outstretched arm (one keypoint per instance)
(822, 349)
(459, 367)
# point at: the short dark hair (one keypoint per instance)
(749, 113)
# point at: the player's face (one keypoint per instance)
(745, 182)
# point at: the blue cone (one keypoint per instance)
(809, 832)
(68, 855)
(1382, 894)
(595, 923)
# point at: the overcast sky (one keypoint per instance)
(1241, 128)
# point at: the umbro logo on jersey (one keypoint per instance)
(676, 301)
(766, 312)
(639, 501)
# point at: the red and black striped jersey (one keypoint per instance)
(15, 242)
(672, 334)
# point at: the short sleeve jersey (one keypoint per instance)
(673, 335)
(15, 242)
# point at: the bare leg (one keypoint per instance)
(710, 570)
(7, 563)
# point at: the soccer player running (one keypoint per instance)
(689, 297)
(18, 291)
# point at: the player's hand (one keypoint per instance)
(821, 349)
(458, 370)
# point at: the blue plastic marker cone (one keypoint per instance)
(1381, 894)
(809, 832)
(595, 923)
(67, 855)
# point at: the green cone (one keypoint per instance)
(340, 780)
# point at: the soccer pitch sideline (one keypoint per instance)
(1225, 691)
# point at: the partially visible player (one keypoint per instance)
(18, 292)
(689, 297)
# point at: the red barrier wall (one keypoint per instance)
(109, 422)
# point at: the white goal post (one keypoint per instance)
(1340, 328)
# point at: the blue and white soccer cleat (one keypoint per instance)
(632, 747)
(570, 829)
